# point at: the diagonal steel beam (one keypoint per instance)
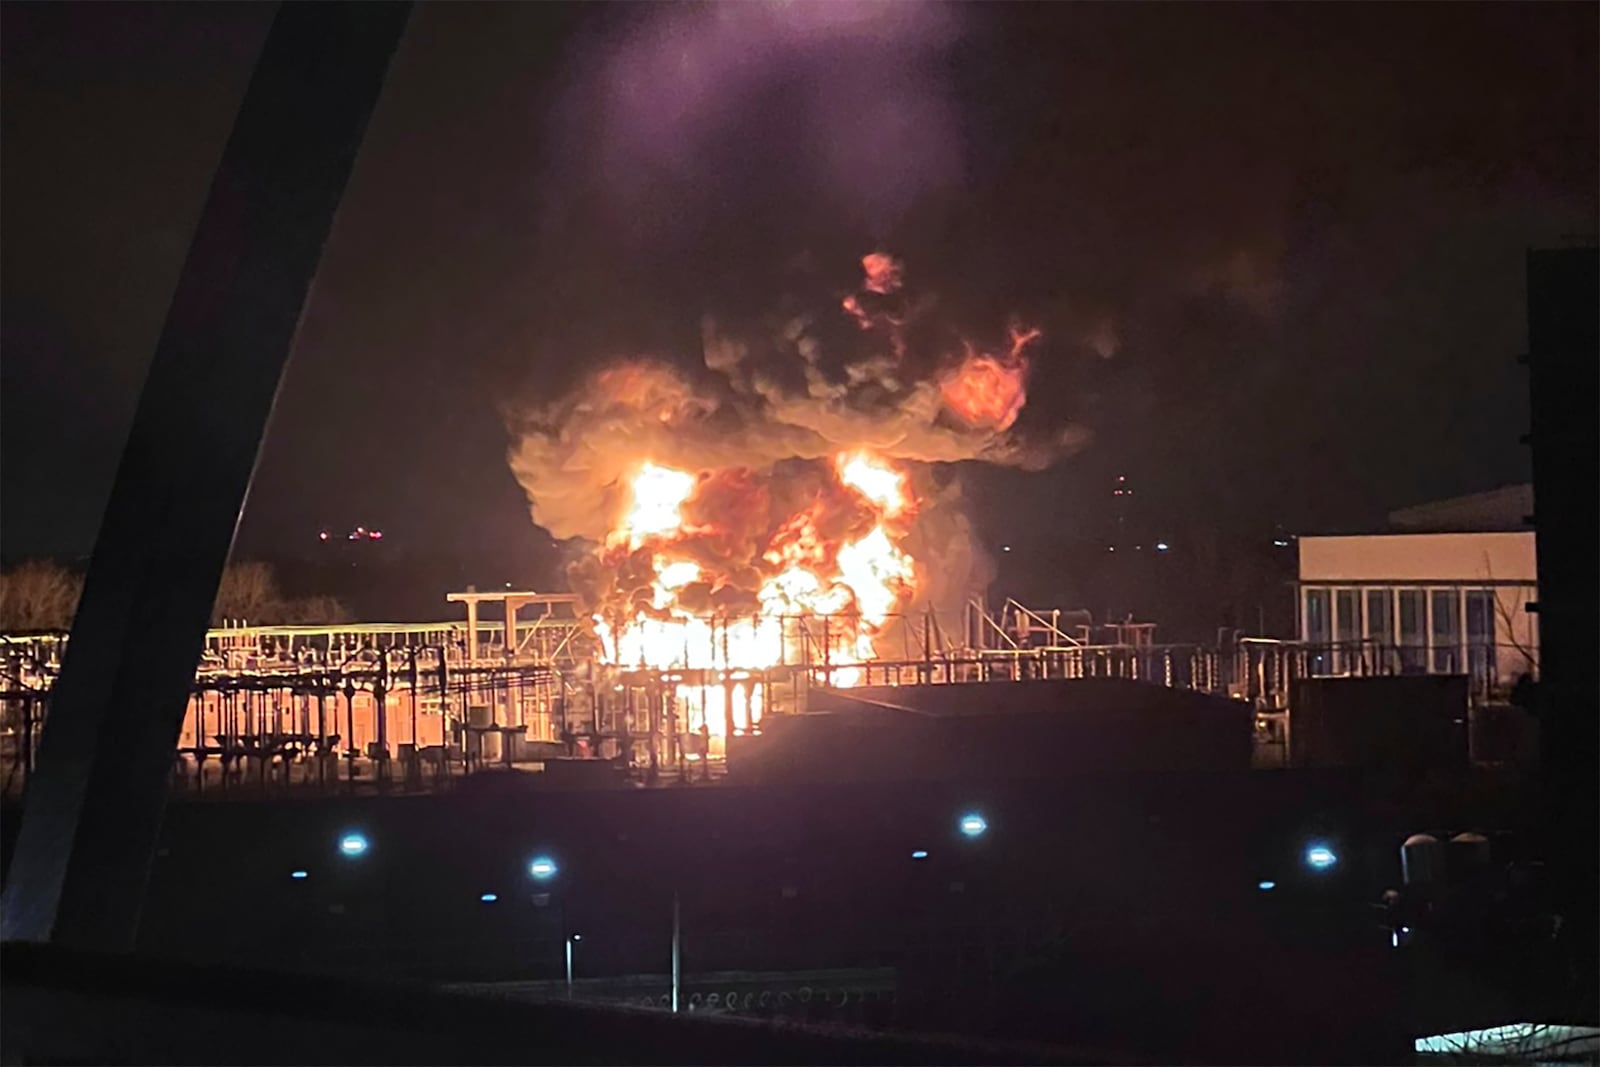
(94, 806)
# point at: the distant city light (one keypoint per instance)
(1266, 886)
(322, 535)
(1162, 546)
(353, 845)
(973, 825)
(1111, 548)
(1320, 857)
(542, 868)
(489, 898)
(1280, 542)
(297, 875)
(1005, 548)
(920, 854)
(577, 937)
(375, 535)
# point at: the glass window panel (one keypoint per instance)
(1480, 615)
(1446, 631)
(1348, 606)
(1347, 629)
(1317, 629)
(1413, 635)
(1380, 623)
(1480, 636)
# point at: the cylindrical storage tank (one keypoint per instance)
(1469, 853)
(1421, 859)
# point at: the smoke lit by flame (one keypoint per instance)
(774, 512)
(990, 390)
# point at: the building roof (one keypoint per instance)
(1501, 510)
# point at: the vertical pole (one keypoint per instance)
(513, 698)
(676, 952)
(416, 746)
(380, 702)
(569, 967)
(827, 655)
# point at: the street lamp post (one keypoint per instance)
(570, 939)
(676, 954)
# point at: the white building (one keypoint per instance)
(1449, 596)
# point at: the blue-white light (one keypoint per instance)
(353, 845)
(1162, 546)
(1320, 857)
(297, 875)
(489, 898)
(542, 868)
(1266, 885)
(973, 825)
(920, 854)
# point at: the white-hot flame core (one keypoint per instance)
(884, 486)
(659, 494)
(823, 602)
(878, 572)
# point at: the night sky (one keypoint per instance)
(1276, 251)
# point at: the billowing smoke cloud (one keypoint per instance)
(850, 97)
(750, 420)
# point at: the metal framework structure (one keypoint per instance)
(523, 681)
(409, 706)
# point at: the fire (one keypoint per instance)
(883, 272)
(989, 391)
(659, 494)
(763, 515)
(877, 572)
(882, 485)
(826, 596)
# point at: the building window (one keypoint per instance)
(1347, 630)
(1447, 631)
(1380, 626)
(1413, 631)
(1481, 637)
(1317, 630)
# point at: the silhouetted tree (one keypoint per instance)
(42, 595)
(247, 593)
(39, 595)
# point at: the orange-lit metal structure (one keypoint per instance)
(525, 680)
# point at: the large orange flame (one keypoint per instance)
(745, 525)
(987, 390)
(855, 582)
